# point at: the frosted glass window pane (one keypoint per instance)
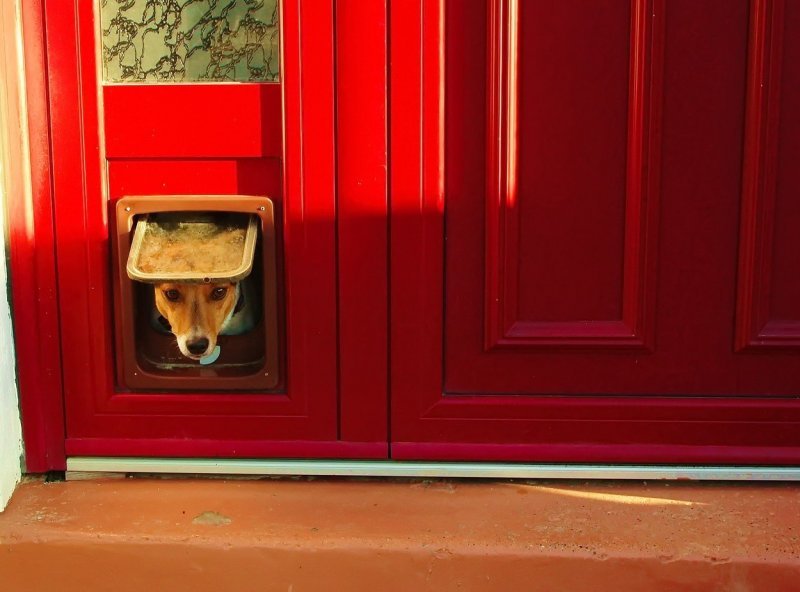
(190, 40)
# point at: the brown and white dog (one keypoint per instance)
(198, 313)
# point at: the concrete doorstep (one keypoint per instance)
(300, 534)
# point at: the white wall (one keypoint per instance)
(10, 429)
(10, 149)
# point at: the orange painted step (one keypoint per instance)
(299, 535)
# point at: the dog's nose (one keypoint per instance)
(198, 346)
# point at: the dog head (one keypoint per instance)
(196, 313)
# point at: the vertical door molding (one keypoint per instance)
(362, 210)
(31, 242)
(417, 206)
(754, 327)
(502, 143)
(503, 328)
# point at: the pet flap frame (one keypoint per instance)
(134, 372)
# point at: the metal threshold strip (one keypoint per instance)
(369, 468)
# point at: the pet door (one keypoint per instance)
(191, 241)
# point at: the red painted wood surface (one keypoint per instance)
(768, 314)
(226, 447)
(530, 301)
(597, 322)
(362, 199)
(31, 252)
(270, 139)
(606, 157)
(246, 176)
(591, 257)
(417, 200)
(210, 120)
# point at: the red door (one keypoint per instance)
(595, 230)
(591, 243)
(144, 127)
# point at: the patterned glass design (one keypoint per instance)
(190, 40)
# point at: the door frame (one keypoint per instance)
(32, 252)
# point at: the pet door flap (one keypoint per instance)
(193, 247)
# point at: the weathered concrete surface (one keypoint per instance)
(213, 535)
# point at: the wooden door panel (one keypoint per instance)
(520, 346)
(115, 140)
(570, 146)
(565, 244)
(95, 142)
(573, 94)
(570, 173)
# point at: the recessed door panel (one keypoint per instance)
(571, 140)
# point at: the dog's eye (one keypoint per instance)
(172, 295)
(218, 293)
